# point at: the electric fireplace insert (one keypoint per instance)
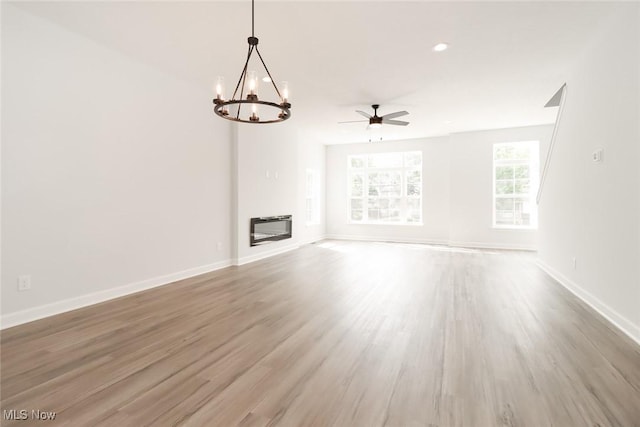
(270, 229)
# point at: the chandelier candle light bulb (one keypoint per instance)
(254, 113)
(253, 83)
(220, 88)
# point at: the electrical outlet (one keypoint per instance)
(574, 262)
(219, 246)
(24, 283)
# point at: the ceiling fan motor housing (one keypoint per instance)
(375, 120)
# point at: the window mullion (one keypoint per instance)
(365, 192)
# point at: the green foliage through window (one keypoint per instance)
(515, 180)
(385, 187)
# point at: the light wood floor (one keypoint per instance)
(336, 333)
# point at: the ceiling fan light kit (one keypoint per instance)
(249, 81)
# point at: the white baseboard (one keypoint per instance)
(622, 323)
(433, 242)
(265, 254)
(384, 239)
(480, 245)
(35, 313)
(313, 240)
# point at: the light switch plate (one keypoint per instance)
(596, 156)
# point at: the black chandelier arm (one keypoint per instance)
(243, 75)
(243, 78)
(268, 73)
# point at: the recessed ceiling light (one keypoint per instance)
(440, 47)
(266, 79)
(448, 122)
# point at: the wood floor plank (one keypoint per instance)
(333, 334)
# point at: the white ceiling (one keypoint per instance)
(505, 61)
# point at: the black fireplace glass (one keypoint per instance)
(270, 229)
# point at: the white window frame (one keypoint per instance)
(312, 197)
(404, 197)
(534, 181)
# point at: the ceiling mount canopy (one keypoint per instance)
(232, 109)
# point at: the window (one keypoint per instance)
(385, 188)
(312, 197)
(515, 183)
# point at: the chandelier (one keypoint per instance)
(232, 109)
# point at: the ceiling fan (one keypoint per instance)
(376, 121)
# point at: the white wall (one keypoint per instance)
(311, 155)
(271, 162)
(457, 190)
(591, 211)
(267, 182)
(113, 173)
(472, 187)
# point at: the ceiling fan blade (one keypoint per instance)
(394, 122)
(353, 121)
(362, 113)
(394, 115)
